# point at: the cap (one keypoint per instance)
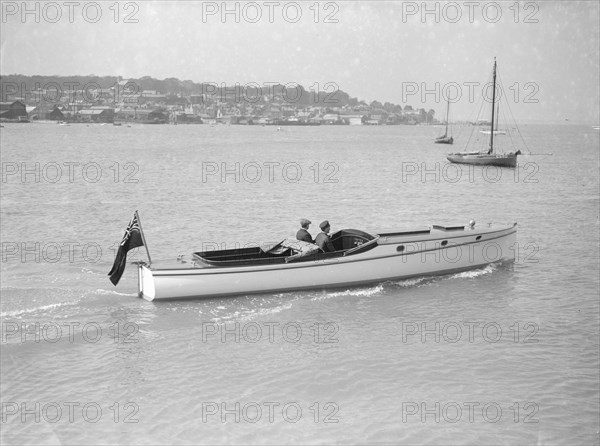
(304, 222)
(324, 224)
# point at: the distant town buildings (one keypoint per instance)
(125, 101)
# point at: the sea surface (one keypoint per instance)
(506, 354)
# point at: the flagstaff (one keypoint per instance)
(143, 238)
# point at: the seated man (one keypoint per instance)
(303, 233)
(322, 240)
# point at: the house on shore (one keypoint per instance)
(142, 116)
(97, 114)
(333, 119)
(185, 118)
(46, 112)
(13, 111)
(377, 119)
(353, 118)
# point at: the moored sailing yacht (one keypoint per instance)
(445, 139)
(489, 158)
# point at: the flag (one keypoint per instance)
(131, 239)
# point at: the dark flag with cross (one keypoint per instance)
(133, 238)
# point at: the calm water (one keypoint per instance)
(507, 354)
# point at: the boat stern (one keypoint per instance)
(146, 289)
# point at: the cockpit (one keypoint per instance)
(345, 241)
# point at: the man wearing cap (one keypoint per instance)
(322, 239)
(303, 233)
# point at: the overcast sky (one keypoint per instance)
(388, 51)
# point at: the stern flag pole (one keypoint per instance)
(143, 238)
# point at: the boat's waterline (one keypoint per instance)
(396, 257)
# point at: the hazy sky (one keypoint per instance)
(388, 51)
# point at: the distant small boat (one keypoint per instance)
(489, 158)
(445, 139)
(117, 124)
(596, 127)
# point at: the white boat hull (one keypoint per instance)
(397, 256)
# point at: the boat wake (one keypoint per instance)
(409, 283)
(113, 293)
(41, 308)
(93, 272)
(360, 292)
(475, 273)
(424, 281)
(254, 313)
(233, 313)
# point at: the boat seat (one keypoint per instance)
(298, 247)
(314, 256)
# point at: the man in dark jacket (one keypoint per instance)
(322, 239)
(303, 233)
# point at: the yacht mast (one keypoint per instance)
(493, 109)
